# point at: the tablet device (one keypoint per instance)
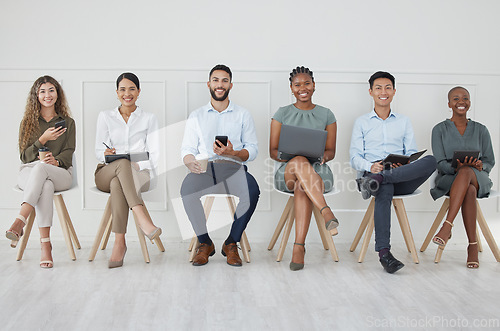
(460, 155)
(299, 141)
(133, 157)
(403, 159)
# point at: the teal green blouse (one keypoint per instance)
(446, 139)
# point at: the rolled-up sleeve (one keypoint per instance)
(357, 148)
(152, 145)
(249, 137)
(191, 136)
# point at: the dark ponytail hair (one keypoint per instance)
(130, 76)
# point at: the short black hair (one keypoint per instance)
(300, 70)
(130, 76)
(457, 88)
(223, 68)
(382, 74)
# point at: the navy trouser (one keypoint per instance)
(402, 180)
(221, 178)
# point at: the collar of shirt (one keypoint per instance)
(374, 114)
(53, 119)
(136, 112)
(229, 108)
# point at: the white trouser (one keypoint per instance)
(39, 181)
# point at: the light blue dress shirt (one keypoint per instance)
(374, 138)
(205, 123)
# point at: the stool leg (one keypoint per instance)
(245, 240)
(325, 234)
(487, 233)
(195, 247)
(363, 225)
(366, 240)
(191, 244)
(281, 223)
(286, 234)
(244, 248)
(107, 233)
(319, 218)
(439, 253)
(142, 240)
(439, 217)
(106, 218)
(71, 228)
(405, 227)
(26, 236)
(58, 200)
(478, 239)
(158, 241)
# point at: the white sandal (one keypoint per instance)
(13, 235)
(50, 263)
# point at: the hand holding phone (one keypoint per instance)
(222, 140)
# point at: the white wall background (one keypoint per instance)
(430, 46)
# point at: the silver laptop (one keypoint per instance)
(299, 141)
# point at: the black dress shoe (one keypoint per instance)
(367, 186)
(390, 263)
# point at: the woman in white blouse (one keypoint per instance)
(126, 129)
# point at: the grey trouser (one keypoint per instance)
(125, 185)
(39, 181)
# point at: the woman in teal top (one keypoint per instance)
(471, 178)
(307, 181)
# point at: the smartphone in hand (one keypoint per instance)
(222, 139)
(60, 124)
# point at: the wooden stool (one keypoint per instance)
(66, 225)
(207, 207)
(104, 230)
(368, 224)
(480, 220)
(287, 219)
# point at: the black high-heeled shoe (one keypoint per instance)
(298, 266)
(331, 224)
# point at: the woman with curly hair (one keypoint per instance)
(40, 178)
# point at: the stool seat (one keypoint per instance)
(368, 224)
(288, 218)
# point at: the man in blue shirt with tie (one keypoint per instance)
(226, 171)
(374, 136)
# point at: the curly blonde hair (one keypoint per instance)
(29, 129)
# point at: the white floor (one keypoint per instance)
(171, 294)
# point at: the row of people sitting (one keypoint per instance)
(220, 166)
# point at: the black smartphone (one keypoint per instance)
(222, 139)
(60, 124)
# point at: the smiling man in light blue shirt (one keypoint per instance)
(226, 171)
(375, 136)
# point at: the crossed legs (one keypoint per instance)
(308, 188)
(463, 195)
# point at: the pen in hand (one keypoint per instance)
(111, 150)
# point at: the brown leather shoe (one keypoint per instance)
(202, 254)
(231, 251)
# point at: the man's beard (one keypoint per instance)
(216, 98)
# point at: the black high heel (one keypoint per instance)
(298, 266)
